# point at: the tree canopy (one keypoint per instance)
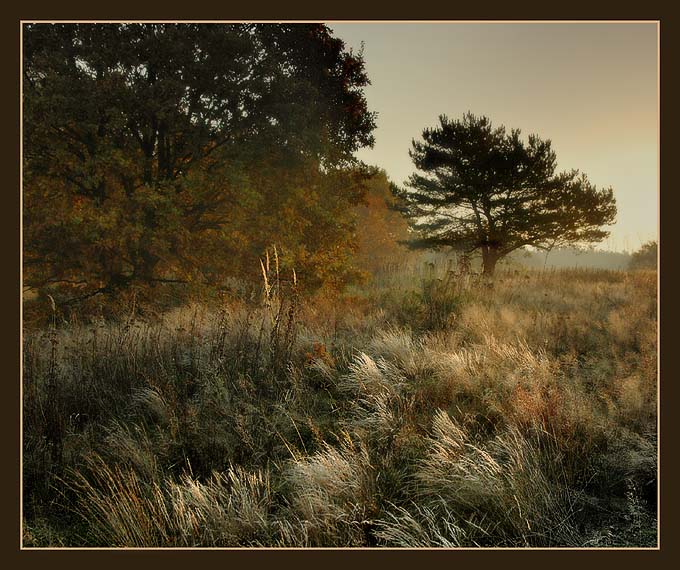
(645, 257)
(485, 189)
(380, 229)
(160, 153)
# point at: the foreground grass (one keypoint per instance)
(427, 410)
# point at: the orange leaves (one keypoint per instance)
(378, 228)
(319, 352)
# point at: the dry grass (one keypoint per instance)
(121, 509)
(424, 410)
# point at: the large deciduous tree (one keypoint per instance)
(483, 189)
(155, 153)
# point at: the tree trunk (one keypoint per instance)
(145, 266)
(489, 259)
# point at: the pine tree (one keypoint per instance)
(483, 189)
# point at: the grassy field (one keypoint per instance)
(426, 409)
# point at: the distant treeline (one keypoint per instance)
(570, 257)
(536, 259)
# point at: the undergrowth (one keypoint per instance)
(423, 411)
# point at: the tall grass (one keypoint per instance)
(427, 409)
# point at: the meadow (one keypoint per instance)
(426, 408)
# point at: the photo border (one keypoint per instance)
(11, 228)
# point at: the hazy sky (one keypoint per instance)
(590, 88)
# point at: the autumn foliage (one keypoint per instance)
(164, 157)
(380, 227)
